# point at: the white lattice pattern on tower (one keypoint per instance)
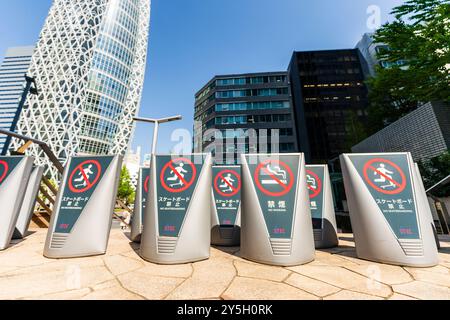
(89, 66)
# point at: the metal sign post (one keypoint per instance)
(177, 225)
(140, 203)
(322, 206)
(276, 217)
(226, 207)
(84, 208)
(388, 209)
(29, 203)
(14, 175)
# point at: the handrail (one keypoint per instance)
(41, 144)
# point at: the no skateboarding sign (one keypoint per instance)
(4, 167)
(85, 176)
(7, 165)
(228, 183)
(176, 184)
(178, 175)
(384, 176)
(388, 178)
(82, 179)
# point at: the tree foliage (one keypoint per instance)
(435, 170)
(419, 37)
(126, 192)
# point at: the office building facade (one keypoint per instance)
(425, 133)
(12, 81)
(245, 113)
(89, 65)
(370, 50)
(330, 101)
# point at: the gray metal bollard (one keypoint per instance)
(389, 212)
(81, 223)
(322, 206)
(14, 175)
(29, 202)
(177, 227)
(276, 217)
(140, 203)
(226, 206)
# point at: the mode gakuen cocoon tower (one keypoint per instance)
(89, 66)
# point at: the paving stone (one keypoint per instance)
(119, 264)
(66, 295)
(423, 290)
(150, 287)
(327, 259)
(351, 295)
(397, 296)
(174, 271)
(312, 286)
(256, 289)
(252, 270)
(345, 279)
(439, 276)
(111, 290)
(383, 273)
(209, 280)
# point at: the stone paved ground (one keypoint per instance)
(121, 274)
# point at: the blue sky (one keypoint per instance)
(193, 40)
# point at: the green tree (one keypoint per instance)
(419, 38)
(126, 192)
(434, 170)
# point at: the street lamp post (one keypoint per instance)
(157, 123)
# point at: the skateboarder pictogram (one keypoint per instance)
(84, 176)
(178, 175)
(227, 186)
(228, 183)
(385, 176)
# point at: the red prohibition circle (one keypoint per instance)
(89, 184)
(401, 186)
(287, 188)
(6, 168)
(147, 184)
(316, 192)
(220, 177)
(169, 165)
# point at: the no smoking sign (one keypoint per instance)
(274, 178)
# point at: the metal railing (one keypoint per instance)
(47, 196)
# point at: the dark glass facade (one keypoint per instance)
(330, 102)
(232, 111)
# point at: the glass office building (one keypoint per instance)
(12, 80)
(245, 113)
(330, 102)
(89, 66)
